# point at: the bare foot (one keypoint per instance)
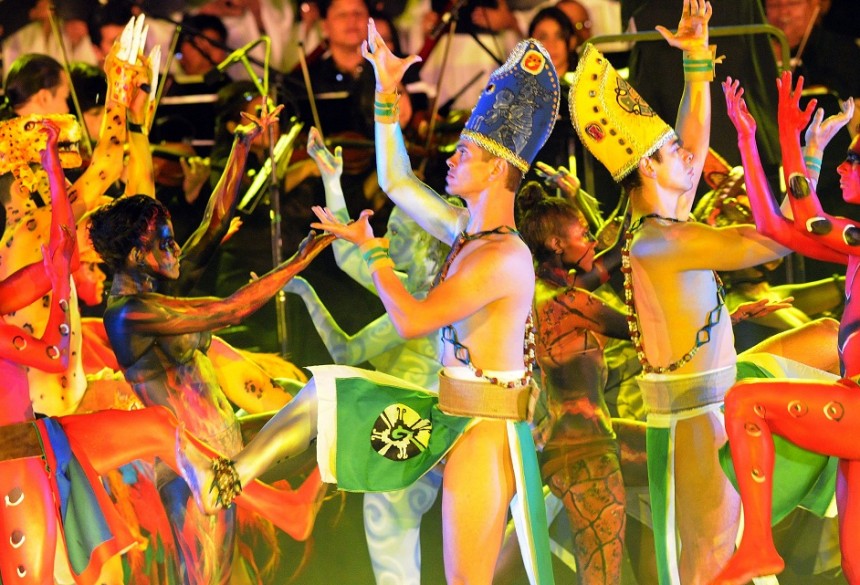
(196, 469)
(744, 567)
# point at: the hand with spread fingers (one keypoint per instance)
(692, 30)
(792, 118)
(257, 124)
(740, 116)
(389, 68)
(821, 130)
(330, 164)
(357, 232)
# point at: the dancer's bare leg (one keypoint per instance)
(592, 491)
(477, 488)
(28, 523)
(812, 415)
(708, 507)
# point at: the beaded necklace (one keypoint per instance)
(449, 334)
(703, 335)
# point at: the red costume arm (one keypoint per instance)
(768, 217)
(838, 233)
(792, 121)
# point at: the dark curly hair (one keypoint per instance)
(124, 224)
(541, 216)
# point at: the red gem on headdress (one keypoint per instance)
(595, 131)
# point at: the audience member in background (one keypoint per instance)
(106, 24)
(39, 37)
(580, 19)
(35, 84)
(201, 45)
(470, 59)
(554, 30)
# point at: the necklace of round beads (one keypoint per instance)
(703, 336)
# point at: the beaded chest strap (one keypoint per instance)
(449, 334)
(703, 335)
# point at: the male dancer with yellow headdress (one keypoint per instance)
(678, 320)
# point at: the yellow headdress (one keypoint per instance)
(612, 120)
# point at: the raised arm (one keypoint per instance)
(50, 352)
(809, 216)
(693, 124)
(31, 282)
(330, 165)
(443, 220)
(768, 216)
(820, 132)
(140, 174)
(164, 315)
(123, 80)
(792, 120)
(371, 340)
(202, 244)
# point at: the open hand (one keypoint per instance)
(760, 308)
(737, 108)
(330, 165)
(692, 28)
(256, 124)
(791, 117)
(388, 67)
(357, 232)
(820, 132)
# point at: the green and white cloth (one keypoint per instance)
(379, 433)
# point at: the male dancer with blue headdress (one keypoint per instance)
(379, 433)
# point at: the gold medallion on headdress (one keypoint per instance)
(613, 121)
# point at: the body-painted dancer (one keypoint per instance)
(581, 462)
(50, 468)
(392, 520)
(161, 343)
(814, 415)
